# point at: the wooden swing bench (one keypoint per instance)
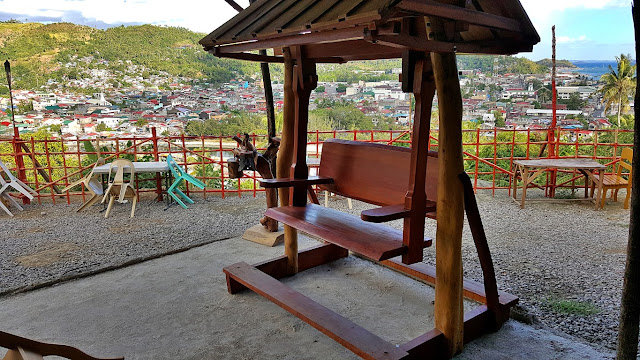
(375, 174)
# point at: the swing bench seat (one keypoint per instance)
(375, 241)
(354, 169)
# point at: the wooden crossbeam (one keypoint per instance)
(294, 40)
(429, 7)
(307, 259)
(350, 335)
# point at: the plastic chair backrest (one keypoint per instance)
(99, 162)
(5, 169)
(174, 167)
(121, 164)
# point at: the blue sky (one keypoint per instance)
(586, 29)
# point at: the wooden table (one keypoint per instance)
(140, 167)
(158, 167)
(530, 169)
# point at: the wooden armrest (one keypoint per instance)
(12, 342)
(289, 182)
(392, 212)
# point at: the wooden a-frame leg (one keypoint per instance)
(415, 200)
(449, 313)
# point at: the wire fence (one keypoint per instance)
(48, 165)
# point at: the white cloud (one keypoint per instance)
(202, 16)
(570, 40)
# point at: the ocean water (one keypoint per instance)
(594, 68)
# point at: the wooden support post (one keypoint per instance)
(285, 159)
(415, 200)
(285, 155)
(305, 80)
(448, 300)
(630, 302)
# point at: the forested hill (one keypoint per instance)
(64, 51)
(39, 52)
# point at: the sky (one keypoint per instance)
(585, 29)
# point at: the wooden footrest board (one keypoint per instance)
(350, 335)
(375, 241)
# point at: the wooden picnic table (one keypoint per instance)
(530, 169)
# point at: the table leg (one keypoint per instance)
(515, 182)
(525, 182)
(600, 190)
(167, 183)
(104, 205)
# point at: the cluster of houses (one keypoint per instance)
(134, 111)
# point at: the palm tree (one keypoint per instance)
(618, 86)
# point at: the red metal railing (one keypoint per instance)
(49, 164)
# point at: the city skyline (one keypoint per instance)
(579, 24)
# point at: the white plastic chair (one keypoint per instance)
(120, 189)
(92, 183)
(7, 182)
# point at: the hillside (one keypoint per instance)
(559, 63)
(62, 51)
(62, 54)
(503, 64)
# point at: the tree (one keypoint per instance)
(499, 119)
(320, 89)
(141, 122)
(574, 102)
(102, 127)
(341, 88)
(619, 85)
(630, 304)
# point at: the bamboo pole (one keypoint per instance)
(630, 306)
(449, 314)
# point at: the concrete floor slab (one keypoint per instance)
(177, 307)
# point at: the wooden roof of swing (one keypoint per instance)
(343, 30)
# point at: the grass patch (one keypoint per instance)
(566, 194)
(573, 307)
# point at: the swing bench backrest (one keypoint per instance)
(374, 173)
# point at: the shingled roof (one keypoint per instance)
(482, 26)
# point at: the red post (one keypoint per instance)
(204, 174)
(475, 176)
(19, 160)
(552, 129)
(156, 156)
(221, 167)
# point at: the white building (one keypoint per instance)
(564, 92)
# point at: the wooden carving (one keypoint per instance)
(246, 157)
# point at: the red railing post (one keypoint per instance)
(204, 174)
(19, 160)
(475, 176)
(156, 157)
(221, 167)
(186, 163)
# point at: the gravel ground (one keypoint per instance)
(563, 259)
(48, 242)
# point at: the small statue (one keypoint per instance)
(246, 157)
